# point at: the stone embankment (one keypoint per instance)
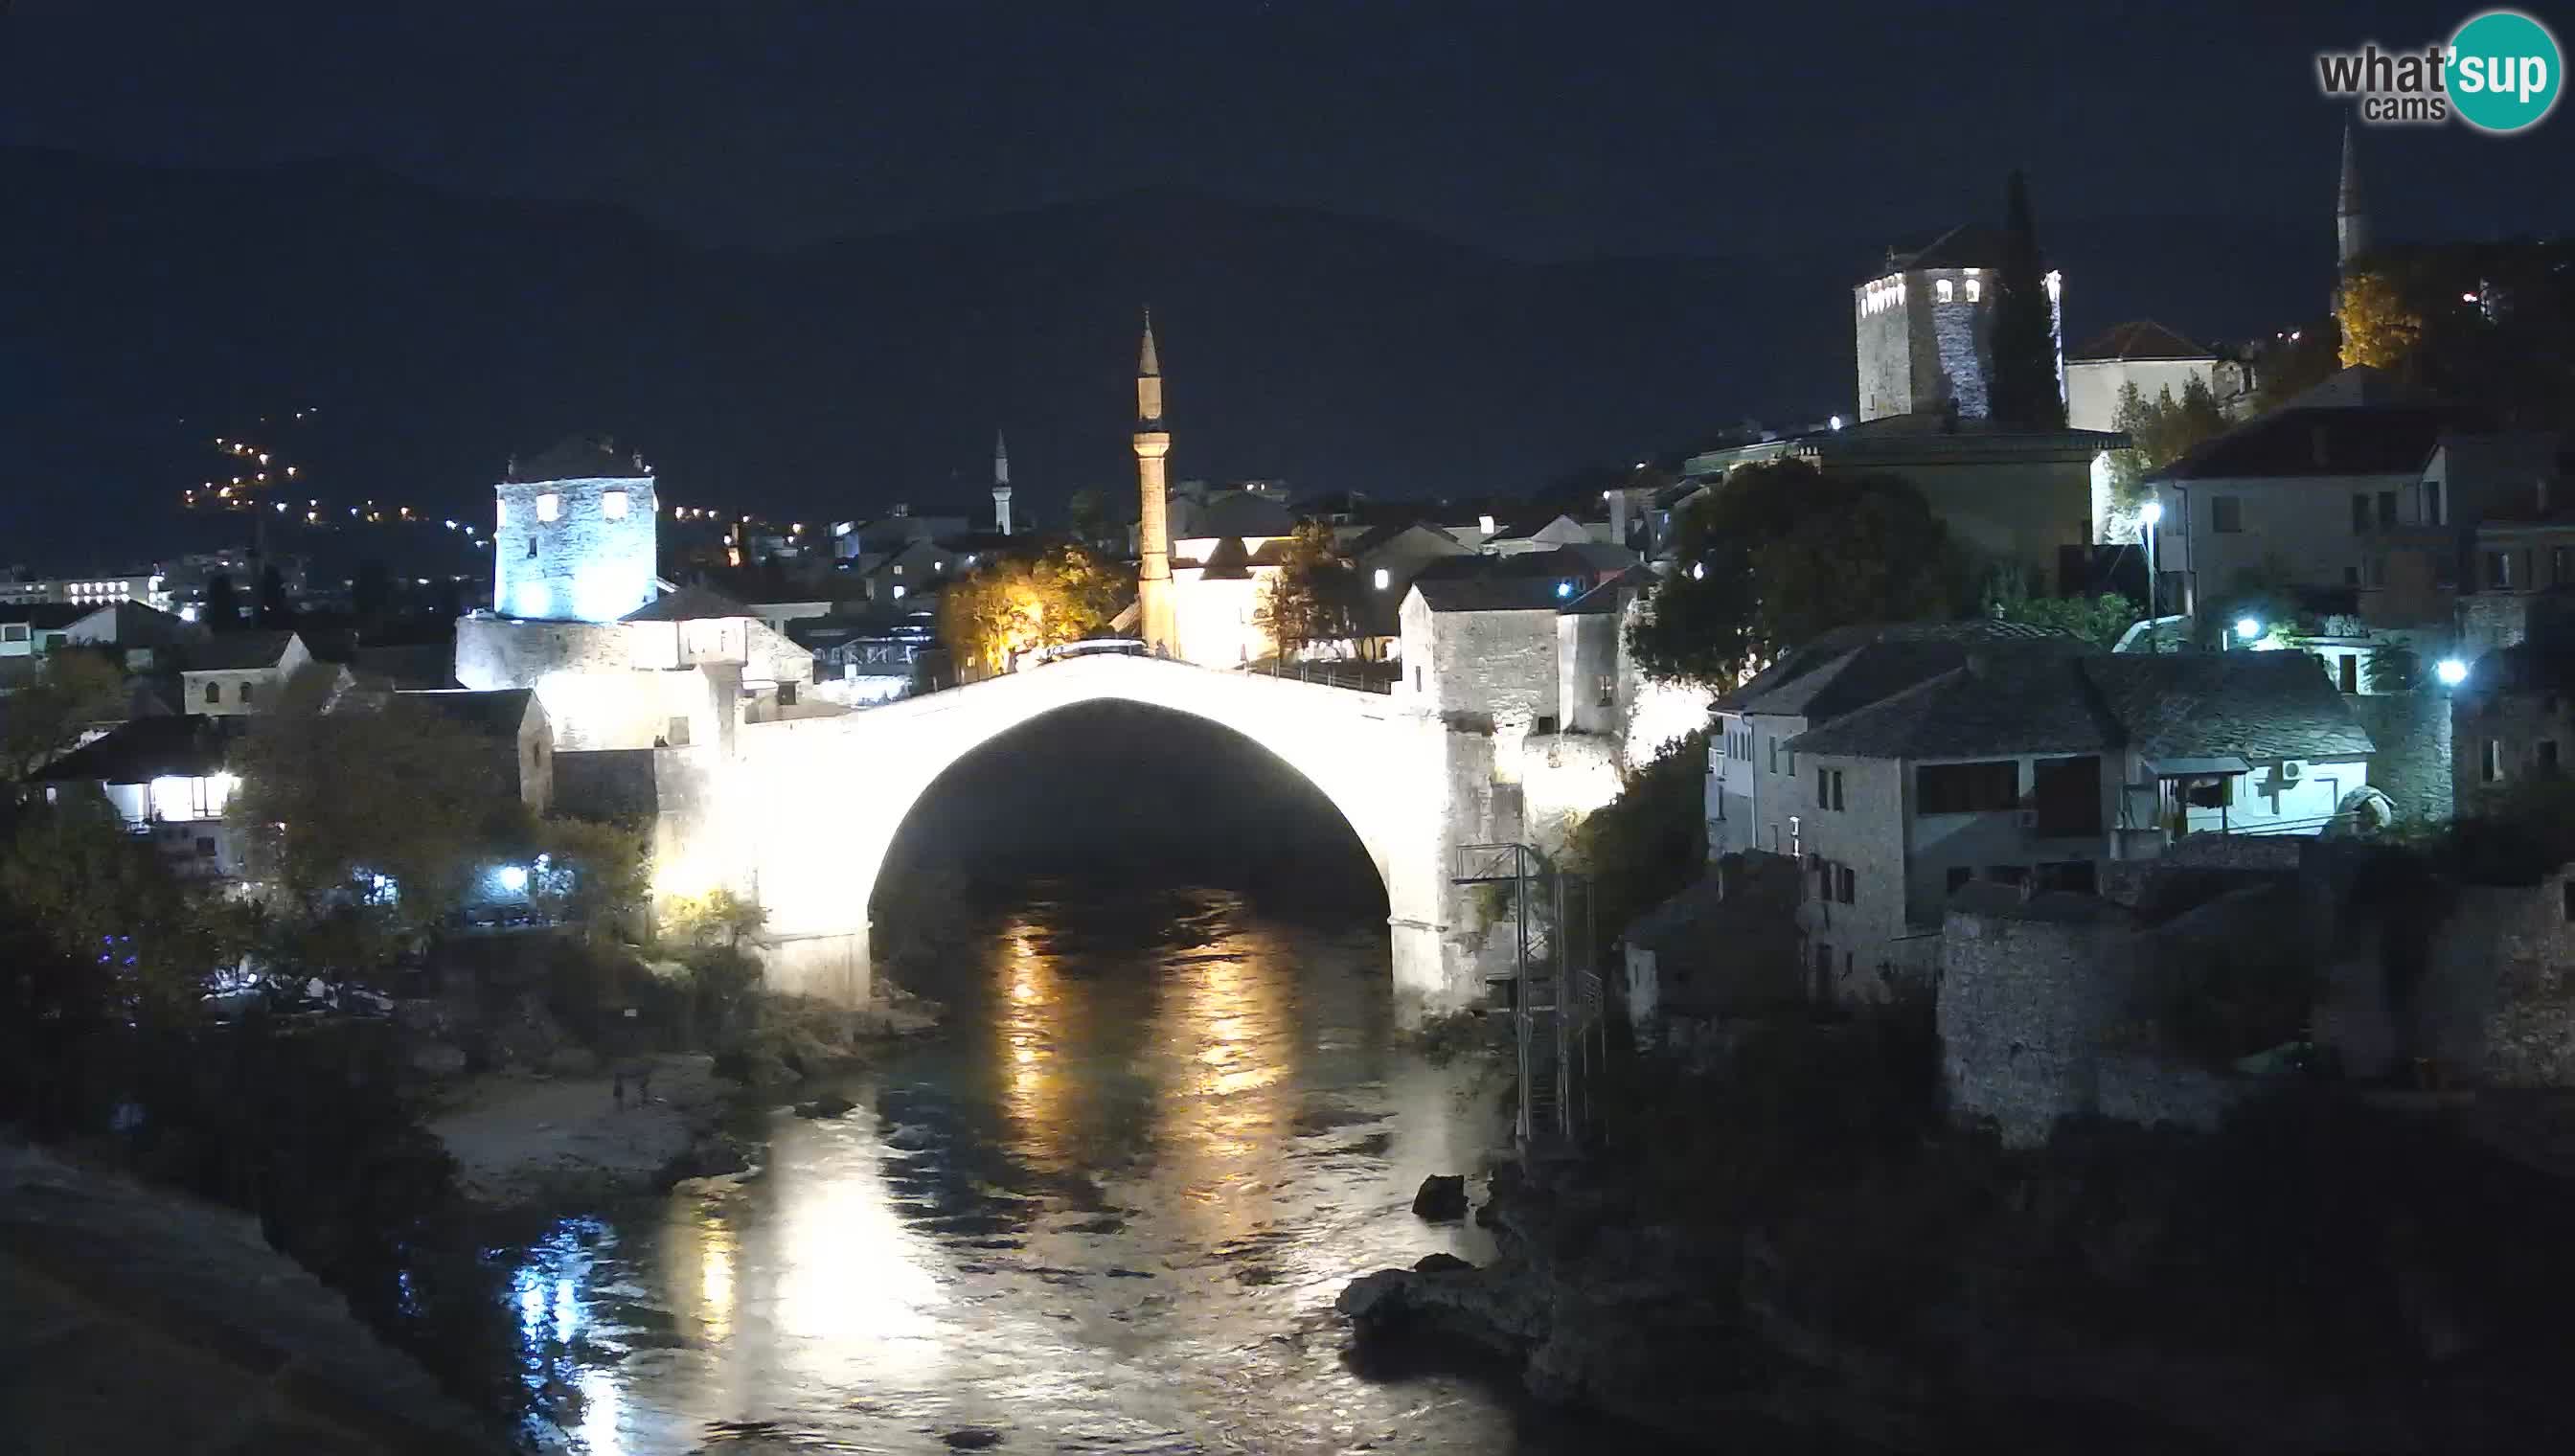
(139, 1320)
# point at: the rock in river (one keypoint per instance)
(1442, 1197)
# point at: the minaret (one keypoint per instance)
(1001, 485)
(2351, 211)
(1156, 620)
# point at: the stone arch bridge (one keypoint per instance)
(801, 814)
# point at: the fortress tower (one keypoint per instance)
(576, 534)
(1001, 484)
(1155, 621)
(1923, 326)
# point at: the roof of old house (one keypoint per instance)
(497, 710)
(407, 666)
(1613, 592)
(1241, 513)
(581, 457)
(1379, 535)
(2323, 440)
(2255, 706)
(238, 651)
(1531, 527)
(43, 613)
(135, 625)
(2139, 338)
(688, 604)
(1226, 561)
(186, 746)
(1993, 703)
(1898, 654)
(1490, 594)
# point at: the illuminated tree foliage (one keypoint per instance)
(2159, 432)
(2100, 620)
(2380, 327)
(1010, 606)
(1313, 598)
(1780, 554)
(99, 927)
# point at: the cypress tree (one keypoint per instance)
(2024, 391)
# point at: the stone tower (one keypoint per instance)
(1001, 484)
(1155, 621)
(1922, 326)
(576, 534)
(2351, 210)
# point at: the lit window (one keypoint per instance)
(1382, 578)
(898, 591)
(612, 503)
(549, 506)
(1946, 289)
(1975, 288)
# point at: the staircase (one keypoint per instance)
(1551, 992)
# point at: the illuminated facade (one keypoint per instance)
(575, 535)
(1924, 327)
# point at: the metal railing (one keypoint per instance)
(1556, 993)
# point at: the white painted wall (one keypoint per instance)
(2092, 385)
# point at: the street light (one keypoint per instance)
(2247, 629)
(2451, 672)
(2152, 514)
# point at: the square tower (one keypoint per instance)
(1924, 327)
(577, 536)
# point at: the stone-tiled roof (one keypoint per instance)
(688, 604)
(1491, 593)
(1612, 592)
(187, 745)
(2141, 339)
(1997, 702)
(1916, 651)
(239, 652)
(2256, 706)
(2370, 440)
(2259, 706)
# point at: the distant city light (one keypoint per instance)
(2451, 672)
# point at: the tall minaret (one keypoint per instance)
(1001, 484)
(1156, 620)
(2351, 211)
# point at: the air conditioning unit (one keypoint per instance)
(2290, 769)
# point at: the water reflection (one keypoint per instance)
(1105, 1209)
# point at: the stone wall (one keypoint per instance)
(2024, 1004)
(583, 564)
(2412, 765)
(2497, 1002)
(1959, 331)
(1563, 778)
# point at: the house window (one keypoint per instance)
(786, 695)
(2348, 668)
(549, 506)
(2359, 513)
(2490, 763)
(1975, 288)
(676, 733)
(2566, 900)
(2386, 510)
(2543, 755)
(2561, 566)
(2499, 571)
(1846, 883)
(1952, 789)
(2226, 514)
(246, 691)
(1382, 578)
(2007, 873)
(1946, 289)
(2378, 571)
(205, 847)
(2432, 504)
(2067, 794)
(1416, 680)
(2213, 793)
(214, 692)
(612, 503)
(532, 547)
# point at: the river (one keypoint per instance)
(1106, 1208)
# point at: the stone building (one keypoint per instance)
(1924, 327)
(576, 534)
(2142, 351)
(514, 721)
(240, 671)
(2512, 719)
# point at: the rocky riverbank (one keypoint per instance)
(530, 1137)
(2267, 1290)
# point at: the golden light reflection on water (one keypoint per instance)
(1044, 1025)
(1225, 1023)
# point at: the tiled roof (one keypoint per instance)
(491, 710)
(2368, 439)
(2139, 338)
(238, 651)
(45, 614)
(2256, 706)
(1226, 561)
(1612, 592)
(688, 604)
(1378, 535)
(1491, 593)
(1915, 651)
(187, 745)
(1999, 702)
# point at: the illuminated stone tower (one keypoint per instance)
(1001, 484)
(1155, 621)
(2351, 210)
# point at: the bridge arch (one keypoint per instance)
(811, 806)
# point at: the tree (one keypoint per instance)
(370, 815)
(222, 603)
(596, 874)
(2100, 620)
(2380, 327)
(1086, 516)
(2027, 393)
(1014, 604)
(74, 690)
(2291, 366)
(107, 911)
(273, 608)
(1780, 553)
(1313, 599)
(2159, 432)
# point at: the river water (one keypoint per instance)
(1106, 1208)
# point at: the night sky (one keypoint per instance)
(1541, 133)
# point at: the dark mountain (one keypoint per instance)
(148, 309)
